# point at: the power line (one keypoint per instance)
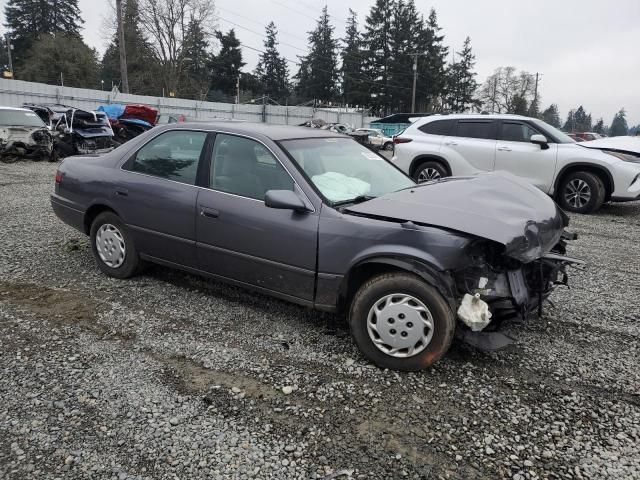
(259, 33)
(283, 32)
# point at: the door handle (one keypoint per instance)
(209, 212)
(122, 192)
(451, 143)
(504, 149)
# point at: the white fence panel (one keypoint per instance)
(14, 93)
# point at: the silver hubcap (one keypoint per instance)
(577, 193)
(427, 174)
(110, 245)
(400, 325)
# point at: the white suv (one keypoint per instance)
(578, 177)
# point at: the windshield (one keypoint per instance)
(345, 171)
(558, 135)
(20, 118)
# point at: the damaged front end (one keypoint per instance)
(502, 283)
(24, 142)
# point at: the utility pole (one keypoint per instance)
(238, 89)
(415, 79)
(122, 48)
(9, 48)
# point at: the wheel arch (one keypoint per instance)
(92, 212)
(366, 269)
(599, 171)
(417, 161)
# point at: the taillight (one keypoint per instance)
(58, 177)
(398, 140)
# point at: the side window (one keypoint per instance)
(245, 167)
(516, 132)
(437, 127)
(483, 129)
(172, 155)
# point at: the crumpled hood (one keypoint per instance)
(497, 206)
(620, 144)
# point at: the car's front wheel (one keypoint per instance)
(428, 171)
(581, 192)
(113, 246)
(400, 322)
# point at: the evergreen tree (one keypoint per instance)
(552, 116)
(519, 105)
(61, 58)
(318, 73)
(619, 126)
(226, 65)
(431, 69)
(461, 80)
(578, 121)
(143, 69)
(195, 61)
(272, 68)
(599, 127)
(27, 20)
(376, 41)
(534, 108)
(354, 90)
(404, 41)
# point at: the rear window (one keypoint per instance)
(476, 129)
(437, 127)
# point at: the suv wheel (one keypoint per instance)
(581, 192)
(113, 246)
(428, 171)
(400, 322)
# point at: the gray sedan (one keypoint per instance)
(315, 218)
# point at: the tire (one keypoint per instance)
(388, 146)
(108, 227)
(387, 290)
(590, 189)
(430, 170)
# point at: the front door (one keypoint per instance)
(240, 238)
(516, 154)
(156, 195)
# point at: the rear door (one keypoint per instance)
(156, 195)
(471, 147)
(242, 239)
(516, 154)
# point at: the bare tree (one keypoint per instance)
(167, 24)
(505, 89)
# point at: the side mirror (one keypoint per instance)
(284, 200)
(540, 140)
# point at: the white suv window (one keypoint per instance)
(516, 132)
(483, 129)
(437, 127)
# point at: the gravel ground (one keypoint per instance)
(169, 376)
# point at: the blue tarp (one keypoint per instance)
(113, 111)
(136, 121)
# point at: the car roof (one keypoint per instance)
(472, 116)
(273, 132)
(16, 109)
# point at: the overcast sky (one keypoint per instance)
(588, 51)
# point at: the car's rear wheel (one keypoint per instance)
(400, 322)
(581, 192)
(429, 171)
(388, 146)
(113, 246)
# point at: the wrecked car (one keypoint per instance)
(23, 136)
(76, 131)
(313, 217)
(129, 121)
